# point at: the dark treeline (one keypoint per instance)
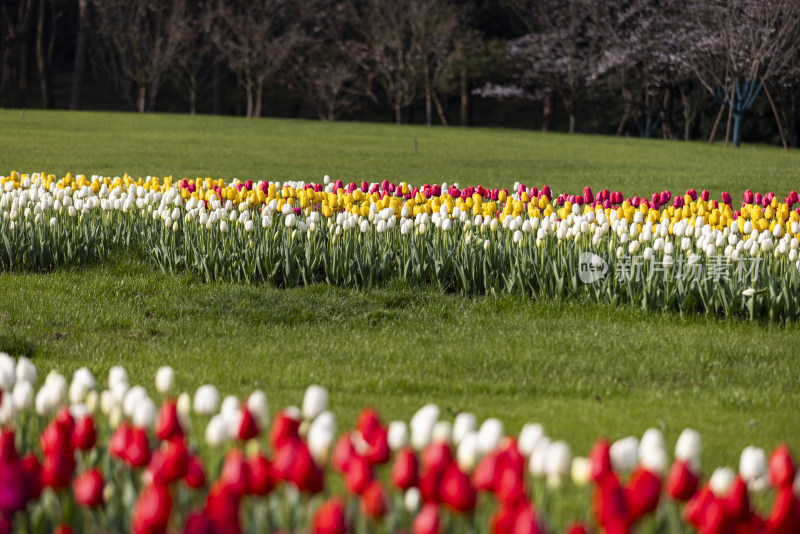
(673, 69)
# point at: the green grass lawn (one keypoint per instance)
(583, 370)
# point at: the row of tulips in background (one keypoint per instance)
(73, 459)
(687, 254)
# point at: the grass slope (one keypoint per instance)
(583, 370)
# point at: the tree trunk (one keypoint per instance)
(716, 125)
(249, 89)
(439, 109)
(153, 97)
(79, 65)
(41, 59)
(730, 112)
(192, 101)
(547, 111)
(624, 119)
(398, 114)
(428, 107)
(216, 94)
(573, 122)
(737, 128)
(259, 91)
(666, 113)
(140, 98)
(464, 96)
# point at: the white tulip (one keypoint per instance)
(118, 375)
(721, 481)
(422, 424)
(753, 467)
(489, 435)
(26, 371)
(144, 413)
(216, 431)
(315, 401)
(259, 407)
(412, 499)
(538, 459)
(467, 453)
(442, 432)
(625, 454)
(23, 396)
(7, 410)
(463, 424)
(653, 459)
(165, 379)
(77, 391)
(558, 461)
(132, 398)
(321, 435)
(230, 404)
(206, 400)
(688, 447)
(364, 226)
(581, 471)
(8, 372)
(397, 435)
(528, 438)
(651, 439)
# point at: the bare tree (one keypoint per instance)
(45, 40)
(191, 71)
(256, 39)
(393, 50)
(738, 45)
(334, 77)
(79, 65)
(435, 26)
(560, 50)
(143, 36)
(17, 20)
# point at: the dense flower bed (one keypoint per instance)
(74, 458)
(684, 253)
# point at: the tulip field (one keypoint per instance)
(512, 332)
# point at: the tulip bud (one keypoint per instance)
(397, 435)
(580, 471)
(625, 454)
(489, 435)
(258, 406)
(753, 467)
(165, 380)
(315, 401)
(687, 448)
(206, 400)
(528, 438)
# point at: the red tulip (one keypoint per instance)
(222, 508)
(781, 467)
(55, 438)
(342, 453)
(284, 429)
(63, 529)
(329, 518)
(526, 522)
(358, 475)
(377, 451)
(171, 462)
(57, 469)
(456, 490)
(84, 435)
(427, 520)
(405, 471)
(168, 425)
(600, 460)
(436, 457)
(198, 523)
(681, 482)
(642, 493)
(483, 478)
(118, 443)
(509, 488)
(33, 475)
(235, 473)
(137, 451)
(260, 478)
(374, 501)
(737, 502)
(248, 428)
(505, 518)
(13, 486)
(785, 515)
(8, 446)
(88, 488)
(608, 501)
(195, 473)
(577, 528)
(698, 506)
(5, 524)
(152, 510)
(293, 463)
